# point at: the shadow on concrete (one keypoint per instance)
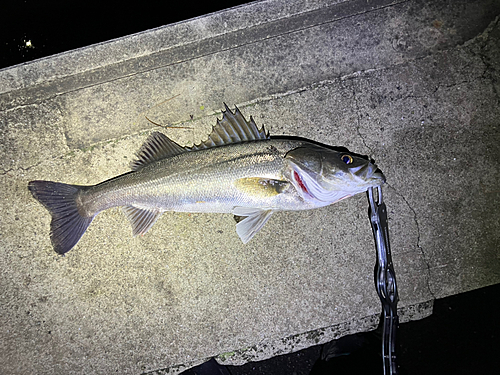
(460, 337)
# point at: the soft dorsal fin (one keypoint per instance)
(157, 146)
(233, 128)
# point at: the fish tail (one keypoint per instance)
(68, 224)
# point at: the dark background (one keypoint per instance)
(461, 337)
(56, 26)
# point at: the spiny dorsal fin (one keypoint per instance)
(233, 128)
(158, 146)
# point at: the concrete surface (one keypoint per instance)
(413, 84)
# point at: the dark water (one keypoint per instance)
(33, 29)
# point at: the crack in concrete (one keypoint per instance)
(24, 169)
(420, 248)
(6, 171)
(358, 121)
(489, 68)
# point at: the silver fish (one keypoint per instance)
(239, 169)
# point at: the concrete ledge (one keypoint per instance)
(414, 85)
(265, 350)
(154, 47)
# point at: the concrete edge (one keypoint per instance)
(291, 344)
(153, 41)
(34, 83)
(268, 349)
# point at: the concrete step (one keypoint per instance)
(411, 84)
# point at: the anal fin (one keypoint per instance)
(251, 221)
(141, 219)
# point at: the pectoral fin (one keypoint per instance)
(251, 221)
(260, 186)
(141, 219)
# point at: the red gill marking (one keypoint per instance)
(299, 181)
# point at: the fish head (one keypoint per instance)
(324, 176)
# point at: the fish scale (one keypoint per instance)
(239, 169)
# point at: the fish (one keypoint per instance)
(238, 170)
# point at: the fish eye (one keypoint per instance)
(346, 159)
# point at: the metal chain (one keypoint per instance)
(385, 280)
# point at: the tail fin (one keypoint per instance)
(68, 225)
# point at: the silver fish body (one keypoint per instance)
(211, 180)
(238, 170)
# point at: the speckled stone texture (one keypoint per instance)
(412, 84)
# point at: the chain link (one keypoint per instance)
(385, 280)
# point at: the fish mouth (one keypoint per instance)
(378, 175)
(368, 172)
